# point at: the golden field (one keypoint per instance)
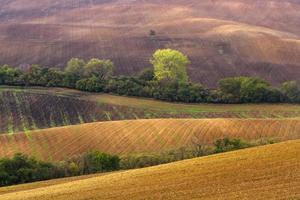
(142, 136)
(267, 172)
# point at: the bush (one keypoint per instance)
(140, 161)
(152, 159)
(247, 90)
(9, 75)
(102, 69)
(22, 169)
(92, 84)
(146, 75)
(291, 91)
(152, 33)
(230, 90)
(123, 85)
(228, 144)
(100, 162)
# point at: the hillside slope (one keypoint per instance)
(268, 172)
(142, 136)
(222, 38)
(25, 109)
(22, 110)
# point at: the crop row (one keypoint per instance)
(21, 111)
(139, 136)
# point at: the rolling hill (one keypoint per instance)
(257, 38)
(268, 172)
(25, 109)
(142, 136)
(222, 38)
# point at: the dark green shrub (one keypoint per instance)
(92, 84)
(96, 161)
(22, 169)
(230, 144)
(291, 91)
(140, 161)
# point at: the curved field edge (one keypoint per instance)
(143, 136)
(41, 184)
(267, 172)
(197, 110)
(22, 110)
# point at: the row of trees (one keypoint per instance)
(167, 80)
(77, 74)
(24, 169)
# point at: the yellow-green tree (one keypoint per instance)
(170, 64)
(75, 66)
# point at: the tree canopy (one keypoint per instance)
(75, 66)
(291, 91)
(167, 80)
(102, 69)
(170, 65)
(247, 89)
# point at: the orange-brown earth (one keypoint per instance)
(142, 136)
(222, 38)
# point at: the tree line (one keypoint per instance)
(24, 169)
(166, 80)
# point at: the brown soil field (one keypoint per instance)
(142, 136)
(268, 172)
(25, 109)
(222, 38)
